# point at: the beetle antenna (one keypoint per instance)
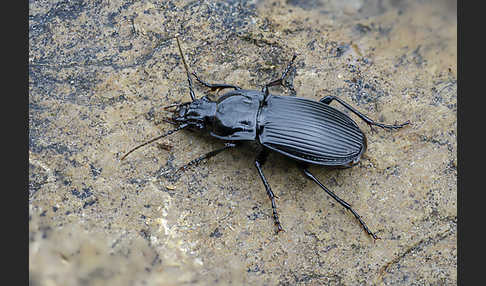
(155, 139)
(189, 80)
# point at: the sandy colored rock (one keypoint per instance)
(100, 74)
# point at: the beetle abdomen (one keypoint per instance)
(310, 131)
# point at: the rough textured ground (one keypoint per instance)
(100, 73)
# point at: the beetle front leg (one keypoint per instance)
(340, 201)
(261, 158)
(215, 86)
(329, 98)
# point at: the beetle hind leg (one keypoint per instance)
(369, 121)
(258, 164)
(340, 201)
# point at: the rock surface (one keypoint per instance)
(100, 74)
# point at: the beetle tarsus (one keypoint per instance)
(328, 99)
(390, 127)
(340, 201)
(262, 156)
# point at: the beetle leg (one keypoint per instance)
(280, 81)
(329, 98)
(207, 156)
(260, 160)
(215, 86)
(343, 203)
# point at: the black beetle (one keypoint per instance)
(307, 131)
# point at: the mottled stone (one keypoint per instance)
(100, 74)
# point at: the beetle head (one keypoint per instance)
(198, 113)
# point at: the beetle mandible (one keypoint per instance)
(309, 132)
